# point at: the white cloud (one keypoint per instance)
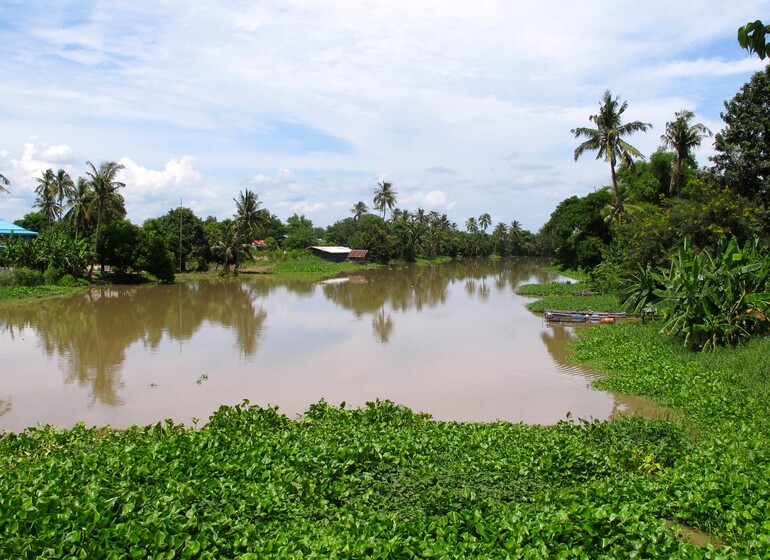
(302, 102)
(176, 178)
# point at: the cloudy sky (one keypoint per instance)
(466, 107)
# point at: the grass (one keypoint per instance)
(13, 293)
(563, 296)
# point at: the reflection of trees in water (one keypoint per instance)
(416, 287)
(5, 406)
(382, 325)
(556, 340)
(92, 331)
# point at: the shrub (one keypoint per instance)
(716, 301)
(21, 277)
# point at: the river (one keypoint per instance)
(453, 340)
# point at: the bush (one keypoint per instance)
(716, 301)
(21, 277)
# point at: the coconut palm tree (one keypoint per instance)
(471, 225)
(515, 230)
(359, 209)
(78, 205)
(485, 220)
(62, 187)
(385, 197)
(46, 199)
(104, 186)
(247, 215)
(4, 181)
(607, 138)
(682, 137)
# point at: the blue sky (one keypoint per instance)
(465, 107)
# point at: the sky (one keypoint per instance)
(465, 107)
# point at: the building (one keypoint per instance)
(8, 229)
(333, 254)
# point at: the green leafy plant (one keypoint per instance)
(716, 301)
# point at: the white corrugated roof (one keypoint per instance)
(333, 249)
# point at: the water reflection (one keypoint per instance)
(452, 340)
(416, 287)
(91, 332)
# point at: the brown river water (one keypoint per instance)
(453, 340)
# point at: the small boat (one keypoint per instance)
(583, 316)
(564, 317)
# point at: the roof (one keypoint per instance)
(335, 250)
(7, 228)
(358, 254)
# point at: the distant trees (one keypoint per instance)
(607, 139)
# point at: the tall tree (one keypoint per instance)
(46, 199)
(385, 197)
(359, 209)
(485, 220)
(472, 225)
(104, 186)
(607, 138)
(682, 137)
(4, 181)
(743, 146)
(247, 215)
(78, 203)
(62, 187)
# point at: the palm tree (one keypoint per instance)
(61, 187)
(515, 230)
(682, 137)
(359, 209)
(607, 138)
(485, 220)
(4, 181)
(104, 186)
(46, 200)
(247, 216)
(385, 196)
(232, 247)
(471, 225)
(78, 202)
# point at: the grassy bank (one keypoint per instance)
(12, 293)
(567, 296)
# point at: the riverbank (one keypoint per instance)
(383, 481)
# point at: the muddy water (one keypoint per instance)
(452, 340)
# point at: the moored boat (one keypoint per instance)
(583, 316)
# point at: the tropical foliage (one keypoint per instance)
(708, 301)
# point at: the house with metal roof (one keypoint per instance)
(333, 254)
(8, 229)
